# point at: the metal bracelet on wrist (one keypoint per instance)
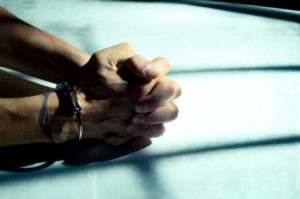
(67, 96)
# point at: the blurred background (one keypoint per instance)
(238, 132)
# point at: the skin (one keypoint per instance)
(37, 53)
(122, 94)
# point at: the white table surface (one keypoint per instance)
(237, 132)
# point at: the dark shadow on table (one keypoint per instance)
(92, 151)
(19, 158)
(234, 7)
(230, 69)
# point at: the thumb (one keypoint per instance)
(138, 69)
(143, 74)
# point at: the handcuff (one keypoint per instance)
(67, 100)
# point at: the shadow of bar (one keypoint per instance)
(222, 147)
(141, 158)
(275, 13)
(287, 68)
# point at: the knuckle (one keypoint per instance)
(127, 46)
(134, 62)
(98, 58)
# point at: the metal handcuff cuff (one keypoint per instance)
(67, 97)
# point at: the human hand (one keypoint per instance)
(123, 95)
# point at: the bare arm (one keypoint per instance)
(37, 53)
(116, 115)
(19, 119)
(109, 105)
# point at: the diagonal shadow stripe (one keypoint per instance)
(141, 157)
(287, 68)
(275, 13)
(223, 147)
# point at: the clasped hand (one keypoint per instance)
(123, 95)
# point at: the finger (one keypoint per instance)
(137, 68)
(137, 76)
(165, 113)
(149, 131)
(160, 66)
(164, 91)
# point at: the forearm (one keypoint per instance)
(19, 122)
(37, 53)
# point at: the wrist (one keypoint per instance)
(37, 53)
(61, 121)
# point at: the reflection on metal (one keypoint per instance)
(28, 77)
